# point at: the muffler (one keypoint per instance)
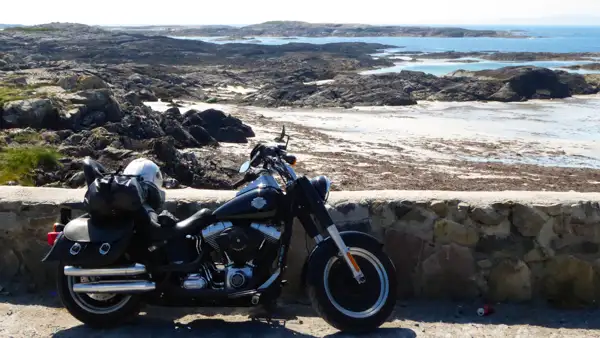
(131, 270)
(114, 287)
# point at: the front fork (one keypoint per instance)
(316, 206)
(343, 250)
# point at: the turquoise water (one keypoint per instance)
(443, 67)
(543, 39)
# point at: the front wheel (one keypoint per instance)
(96, 310)
(344, 303)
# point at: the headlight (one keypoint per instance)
(322, 185)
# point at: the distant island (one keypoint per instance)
(305, 29)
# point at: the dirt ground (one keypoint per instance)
(42, 316)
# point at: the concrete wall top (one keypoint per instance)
(58, 196)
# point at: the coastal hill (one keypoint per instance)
(305, 29)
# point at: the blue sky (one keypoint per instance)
(198, 12)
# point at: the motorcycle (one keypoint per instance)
(233, 256)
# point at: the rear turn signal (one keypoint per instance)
(52, 237)
(57, 227)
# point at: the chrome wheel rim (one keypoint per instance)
(96, 303)
(383, 283)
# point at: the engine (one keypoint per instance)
(239, 244)
(244, 248)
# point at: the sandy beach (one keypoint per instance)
(536, 145)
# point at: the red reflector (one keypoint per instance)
(52, 237)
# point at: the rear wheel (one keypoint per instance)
(96, 310)
(344, 303)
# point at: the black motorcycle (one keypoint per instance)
(232, 256)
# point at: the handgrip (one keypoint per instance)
(239, 183)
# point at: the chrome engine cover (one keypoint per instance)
(194, 282)
(238, 278)
(211, 232)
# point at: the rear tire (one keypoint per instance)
(104, 311)
(338, 298)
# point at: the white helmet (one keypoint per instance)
(147, 169)
(152, 179)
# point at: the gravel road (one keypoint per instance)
(37, 316)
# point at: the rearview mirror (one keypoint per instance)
(245, 166)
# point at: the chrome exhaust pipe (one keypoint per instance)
(132, 270)
(114, 287)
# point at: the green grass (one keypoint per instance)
(30, 29)
(26, 137)
(17, 163)
(9, 92)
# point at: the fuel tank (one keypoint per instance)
(260, 202)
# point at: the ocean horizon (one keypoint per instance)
(548, 39)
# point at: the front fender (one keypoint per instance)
(327, 248)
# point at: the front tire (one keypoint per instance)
(340, 300)
(96, 311)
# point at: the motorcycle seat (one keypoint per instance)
(189, 226)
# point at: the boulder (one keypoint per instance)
(147, 95)
(487, 215)
(140, 124)
(449, 272)
(133, 98)
(221, 127)
(91, 101)
(77, 180)
(182, 137)
(202, 136)
(68, 82)
(529, 82)
(79, 151)
(510, 280)
(35, 113)
(577, 83)
(87, 82)
(570, 281)
(406, 252)
(446, 231)
(529, 221)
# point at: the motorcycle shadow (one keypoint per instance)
(161, 322)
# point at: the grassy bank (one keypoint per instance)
(18, 163)
(9, 92)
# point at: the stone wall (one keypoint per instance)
(502, 246)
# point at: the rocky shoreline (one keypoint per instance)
(69, 91)
(305, 29)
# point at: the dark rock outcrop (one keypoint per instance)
(221, 127)
(36, 113)
(405, 88)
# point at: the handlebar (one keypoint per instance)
(271, 158)
(239, 183)
(248, 177)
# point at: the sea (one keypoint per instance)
(557, 39)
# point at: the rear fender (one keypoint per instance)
(327, 248)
